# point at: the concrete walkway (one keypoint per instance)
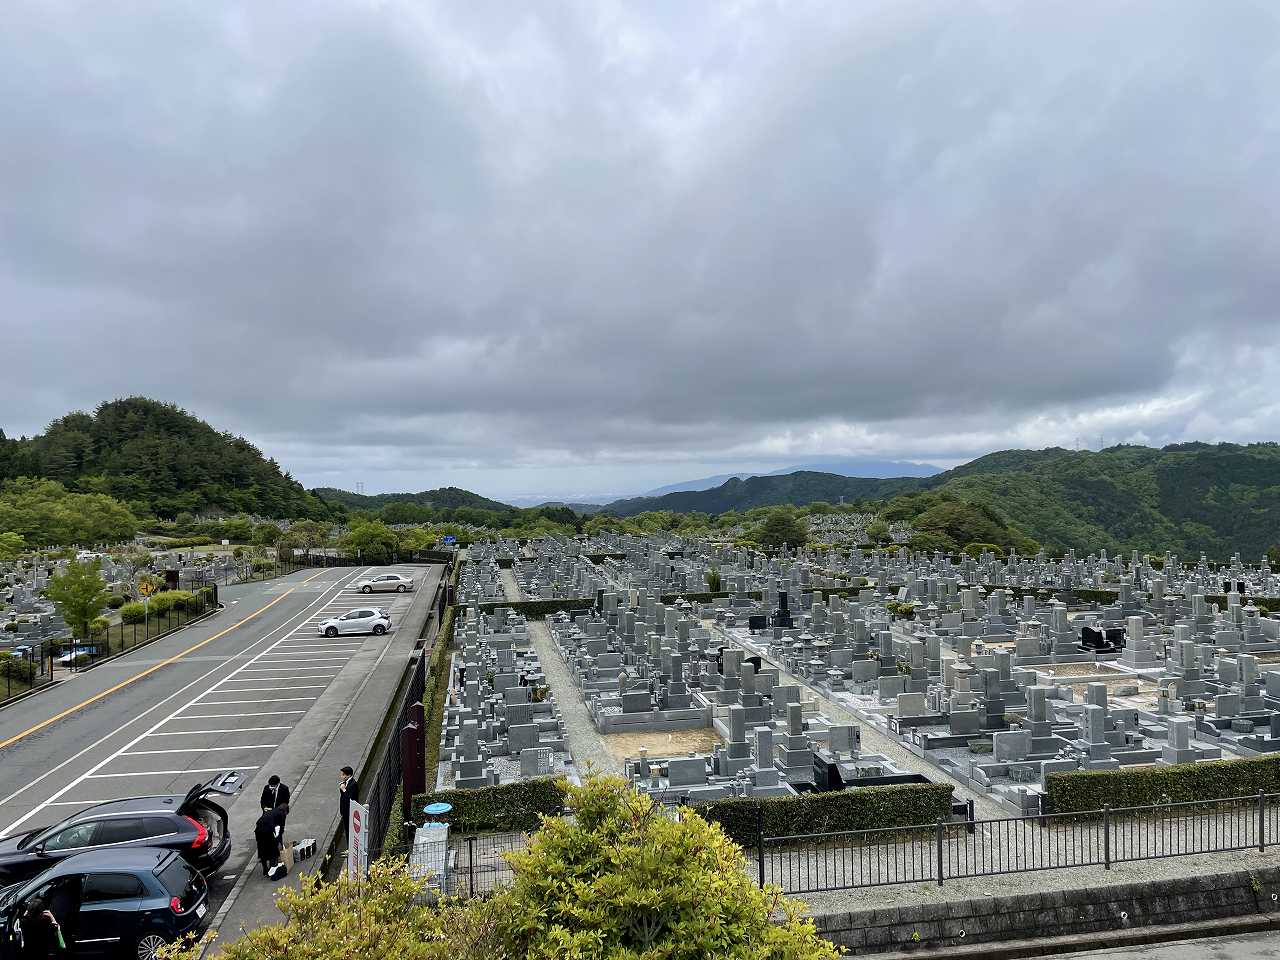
(585, 742)
(511, 585)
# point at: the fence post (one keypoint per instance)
(471, 865)
(1106, 837)
(1262, 820)
(760, 844)
(971, 825)
(941, 831)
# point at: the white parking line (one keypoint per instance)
(189, 733)
(219, 703)
(312, 686)
(289, 660)
(222, 716)
(247, 746)
(293, 676)
(151, 773)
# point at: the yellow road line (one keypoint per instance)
(150, 670)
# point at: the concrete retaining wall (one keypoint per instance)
(953, 923)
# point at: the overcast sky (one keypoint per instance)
(572, 248)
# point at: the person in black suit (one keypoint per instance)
(274, 794)
(268, 833)
(348, 790)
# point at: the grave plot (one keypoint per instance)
(501, 722)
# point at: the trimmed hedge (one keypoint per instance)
(540, 609)
(133, 613)
(1087, 791)
(858, 808)
(433, 693)
(506, 807)
(708, 597)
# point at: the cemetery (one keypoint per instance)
(993, 672)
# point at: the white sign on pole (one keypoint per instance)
(358, 845)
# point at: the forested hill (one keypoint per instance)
(801, 487)
(160, 461)
(444, 498)
(1186, 498)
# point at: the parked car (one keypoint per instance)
(387, 582)
(127, 902)
(365, 620)
(193, 825)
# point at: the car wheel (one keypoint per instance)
(366, 589)
(400, 589)
(330, 631)
(379, 629)
(149, 945)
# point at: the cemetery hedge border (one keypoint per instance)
(1088, 791)
(859, 808)
(436, 688)
(517, 806)
(540, 609)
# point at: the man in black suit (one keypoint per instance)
(274, 794)
(348, 790)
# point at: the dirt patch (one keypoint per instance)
(661, 744)
(1079, 669)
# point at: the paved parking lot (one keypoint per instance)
(237, 720)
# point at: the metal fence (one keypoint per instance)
(956, 850)
(382, 786)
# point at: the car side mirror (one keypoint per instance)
(38, 849)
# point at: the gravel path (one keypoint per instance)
(585, 742)
(511, 585)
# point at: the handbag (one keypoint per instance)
(286, 855)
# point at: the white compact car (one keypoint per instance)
(387, 582)
(364, 620)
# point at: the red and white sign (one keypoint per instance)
(358, 847)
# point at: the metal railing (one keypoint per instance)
(956, 850)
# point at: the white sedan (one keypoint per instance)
(387, 582)
(365, 620)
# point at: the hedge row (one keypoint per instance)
(506, 807)
(1090, 790)
(709, 597)
(540, 609)
(433, 693)
(859, 808)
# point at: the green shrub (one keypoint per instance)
(133, 613)
(11, 627)
(508, 806)
(99, 625)
(115, 603)
(16, 668)
(859, 808)
(437, 686)
(166, 600)
(1089, 790)
(262, 565)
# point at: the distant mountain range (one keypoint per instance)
(1188, 498)
(840, 466)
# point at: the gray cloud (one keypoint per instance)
(590, 246)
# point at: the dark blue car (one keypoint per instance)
(111, 903)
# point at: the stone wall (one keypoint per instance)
(953, 923)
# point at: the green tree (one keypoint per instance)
(713, 580)
(11, 545)
(371, 540)
(266, 534)
(80, 595)
(620, 880)
(877, 531)
(1273, 555)
(780, 527)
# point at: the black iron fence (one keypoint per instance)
(956, 850)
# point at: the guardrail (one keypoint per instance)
(935, 853)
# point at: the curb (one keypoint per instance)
(1078, 943)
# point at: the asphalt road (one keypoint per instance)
(218, 696)
(1249, 946)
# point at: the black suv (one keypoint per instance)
(111, 903)
(193, 825)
